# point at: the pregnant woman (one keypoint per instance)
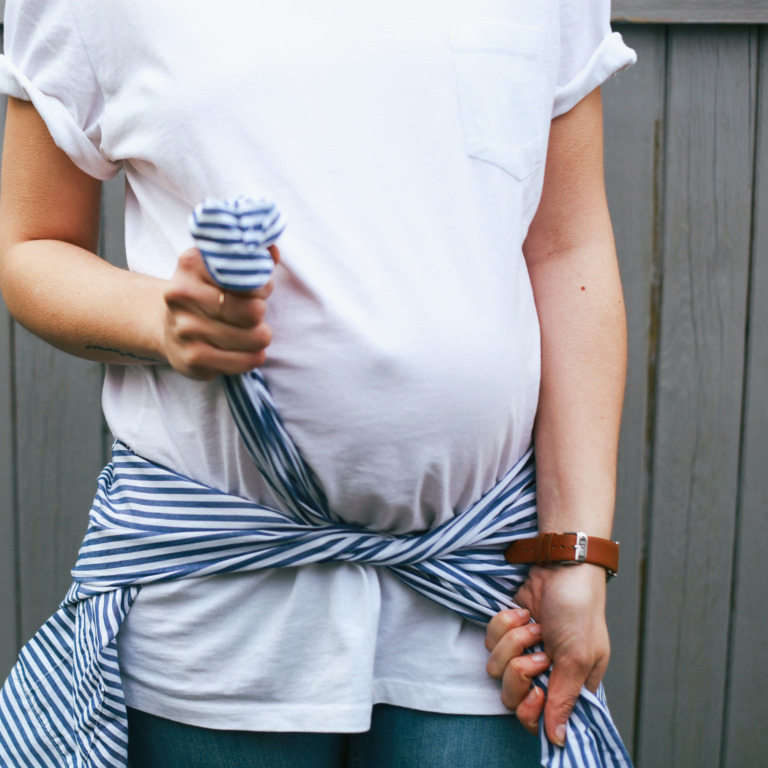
(446, 294)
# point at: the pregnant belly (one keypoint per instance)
(407, 429)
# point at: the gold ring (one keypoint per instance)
(220, 312)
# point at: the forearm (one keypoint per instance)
(574, 274)
(52, 281)
(581, 310)
(56, 286)
(82, 304)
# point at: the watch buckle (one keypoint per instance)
(580, 548)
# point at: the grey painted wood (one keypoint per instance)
(8, 592)
(634, 115)
(706, 248)
(112, 248)
(746, 735)
(8, 606)
(677, 10)
(730, 11)
(59, 457)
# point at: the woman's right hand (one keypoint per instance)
(208, 331)
(54, 283)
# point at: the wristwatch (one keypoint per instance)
(565, 549)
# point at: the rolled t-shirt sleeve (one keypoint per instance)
(46, 63)
(590, 53)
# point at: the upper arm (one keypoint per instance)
(43, 195)
(573, 211)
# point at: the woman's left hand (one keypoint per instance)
(509, 634)
(569, 604)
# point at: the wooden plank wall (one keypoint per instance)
(686, 149)
(681, 167)
(634, 119)
(745, 720)
(691, 11)
(706, 261)
(9, 634)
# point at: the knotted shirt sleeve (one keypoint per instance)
(590, 53)
(46, 63)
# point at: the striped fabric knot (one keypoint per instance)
(234, 235)
(63, 703)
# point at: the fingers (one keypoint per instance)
(189, 327)
(508, 636)
(206, 351)
(502, 623)
(210, 331)
(209, 303)
(234, 308)
(525, 599)
(511, 645)
(193, 286)
(561, 697)
(529, 710)
(566, 680)
(518, 677)
(205, 363)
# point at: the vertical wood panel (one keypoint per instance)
(59, 458)
(112, 248)
(738, 11)
(706, 260)
(746, 736)
(634, 113)
(8, 606)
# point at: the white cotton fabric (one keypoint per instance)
(406, 145)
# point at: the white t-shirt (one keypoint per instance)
(406, 145)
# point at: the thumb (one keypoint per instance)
(562, 694)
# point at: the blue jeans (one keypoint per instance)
(399, 738)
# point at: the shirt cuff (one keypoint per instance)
(610, 58)
(66, 133)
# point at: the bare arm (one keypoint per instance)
(52, 281)
(572, 263)
(56, 286)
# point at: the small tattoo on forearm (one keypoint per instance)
(122, 353)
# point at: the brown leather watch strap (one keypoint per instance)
(565, 548)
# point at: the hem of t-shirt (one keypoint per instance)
(66, 134)
(239, 715)
(611, 57)
(446, 700)
(317, 717)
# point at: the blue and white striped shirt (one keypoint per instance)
(63, 703)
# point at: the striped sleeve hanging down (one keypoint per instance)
(63, 703)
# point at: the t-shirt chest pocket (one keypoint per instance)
(504, 94)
